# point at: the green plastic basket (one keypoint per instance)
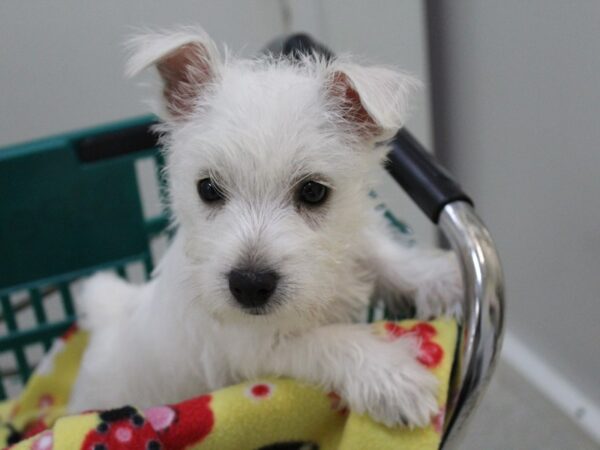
(69, 206)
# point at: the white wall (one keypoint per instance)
(61, 62)
(517, 118)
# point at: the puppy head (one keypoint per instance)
(269, 165)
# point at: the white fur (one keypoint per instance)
(257, 128)
(148, 48)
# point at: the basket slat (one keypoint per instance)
(16, 347)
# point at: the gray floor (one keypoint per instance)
(515, 416)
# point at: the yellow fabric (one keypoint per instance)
(242, 417)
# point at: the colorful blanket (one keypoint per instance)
(253, 415)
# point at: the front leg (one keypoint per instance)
(373, 374)
(430, 278)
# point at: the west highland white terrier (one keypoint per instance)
(278, 248)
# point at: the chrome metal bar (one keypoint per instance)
(483, 323)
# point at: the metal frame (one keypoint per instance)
(483, 315)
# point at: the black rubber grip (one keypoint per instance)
(115, 143)
(301, 43)
(429, 185)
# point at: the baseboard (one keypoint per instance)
(558, 389)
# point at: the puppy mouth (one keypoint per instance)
(261, 311)
(258, 310)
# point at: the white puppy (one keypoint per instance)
(278, 248)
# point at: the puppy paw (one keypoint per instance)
(440, 292)
(393, 387)
(104, 299)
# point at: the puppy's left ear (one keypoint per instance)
(187, 61)
(371, 102)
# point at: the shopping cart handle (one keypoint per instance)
(421, 176)
(118, 141)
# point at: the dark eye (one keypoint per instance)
(313, 193)
(208, 190)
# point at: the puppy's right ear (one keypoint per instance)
(187, 62)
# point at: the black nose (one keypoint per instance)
(252, 288)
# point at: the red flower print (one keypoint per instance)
(70, 332)
(394, 330)
(430, 354)
(45, 401)
(260, 391)
(160, 417)
(33, 428)
(122, 429)
(424, 330)
(337, 404)
(43, 442)
(190, 422)
(438, 420)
